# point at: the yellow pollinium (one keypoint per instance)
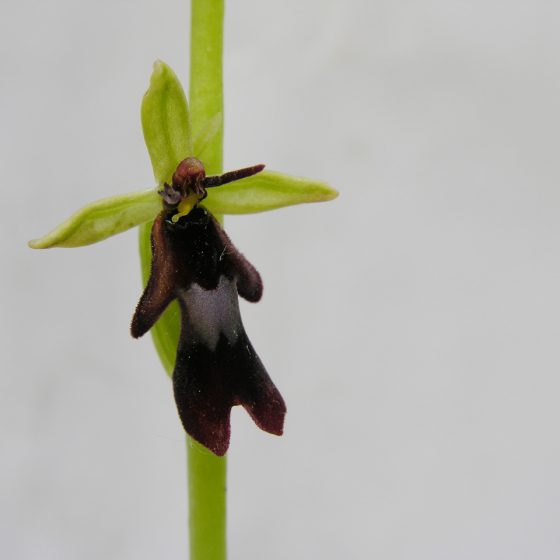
(185, 206)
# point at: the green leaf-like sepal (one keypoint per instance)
(266, 191)
(165, 122)
(102, 219)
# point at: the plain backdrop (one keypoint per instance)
(412, 325)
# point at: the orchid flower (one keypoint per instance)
(194, 262)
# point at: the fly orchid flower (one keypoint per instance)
(194, 262)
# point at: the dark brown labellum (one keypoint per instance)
(216, 367)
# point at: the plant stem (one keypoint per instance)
(205, 86)
(206, 471)
(207, 503)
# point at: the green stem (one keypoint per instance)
(207, 503)
(205, 86)
(207, 472)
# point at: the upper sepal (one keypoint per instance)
(266, 191)
(102, 219)
(166, 122)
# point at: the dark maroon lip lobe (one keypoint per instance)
(216, 366)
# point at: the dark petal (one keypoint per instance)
(160, 290)
(249, 282)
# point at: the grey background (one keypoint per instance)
(412, 325)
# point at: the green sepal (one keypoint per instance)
(166, 122)
(266, 191)
(101, 219)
